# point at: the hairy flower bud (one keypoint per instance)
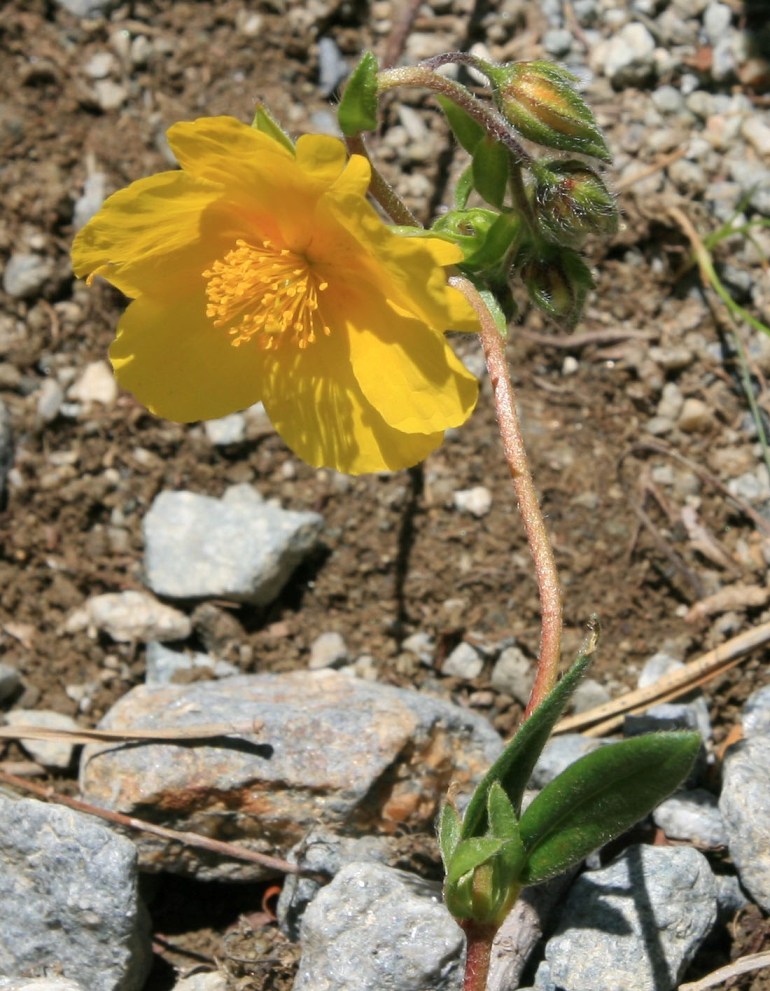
(540, 100)
(557, 281)
(571, 201)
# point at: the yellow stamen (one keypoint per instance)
(267, 294)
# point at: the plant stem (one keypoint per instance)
(493, 124)
(478, 950)
(516, 456)
(381, 189)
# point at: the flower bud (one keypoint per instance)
(557, 281)
(540, 100)
(571, 201)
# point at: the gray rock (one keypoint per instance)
(109, 94)
(588, 695)
(633, 925)
(323, 853)
(49, 753)
(463, 662)
(165, 666)
(422, 645)
(300, 750)
(6, 448)
(328, 650)
(628, 56)
(559, 753)
(745, 807)
(89, 8)
(26, 274)
(514, 674)
(68, 888)
(670, 716)
(731, 897)
(717, 19)
(50, 397)
(39, 984)
(210, 980)
(756, 713)
(332, 67)
(557, 42)
(694, 816)
(375, 928)
(238, 547)
(10, 679)
(130, 617)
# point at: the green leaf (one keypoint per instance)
(464, 127)
(449, 832)
(491, 170)
(599, 797)
(513, 768)
(463, 188)
(358, 107)
(267, 124)
(470, 854)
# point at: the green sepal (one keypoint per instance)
(513, 768)
(504, 825)
(267, 124)
(470, 854)
(599, 797)
(491, 170)
(464, 127)
(357, 111)
(493, 251)
(557, 281)
(494, 307)
(464, 188)
(449, 832)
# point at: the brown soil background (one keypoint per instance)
(397, 557)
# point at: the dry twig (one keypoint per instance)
(743, 965)
(605, 718)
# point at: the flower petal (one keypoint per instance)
(318, 408)
(406, 370)
(153, 227)
(178, 365)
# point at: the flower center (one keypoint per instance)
(268, 294)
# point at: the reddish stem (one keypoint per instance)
(516, 456)
(478, 951)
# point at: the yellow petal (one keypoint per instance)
(151, 228)
(178, 365)
(406, 370)
(318, 408)
(273, 187)
(409, 271)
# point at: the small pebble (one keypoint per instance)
(476, 501)
(463, 662)
(514, 674)
(26, 274)
(695, 417)
(49, 753)
(328, 650)
(226, 430)
(10, 680)
(96, 384)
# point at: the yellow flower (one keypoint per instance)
(261, 274)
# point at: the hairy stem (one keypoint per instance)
(478, 951)
(516, 456)
(494, 125)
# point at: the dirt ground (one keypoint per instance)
(397, 557)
